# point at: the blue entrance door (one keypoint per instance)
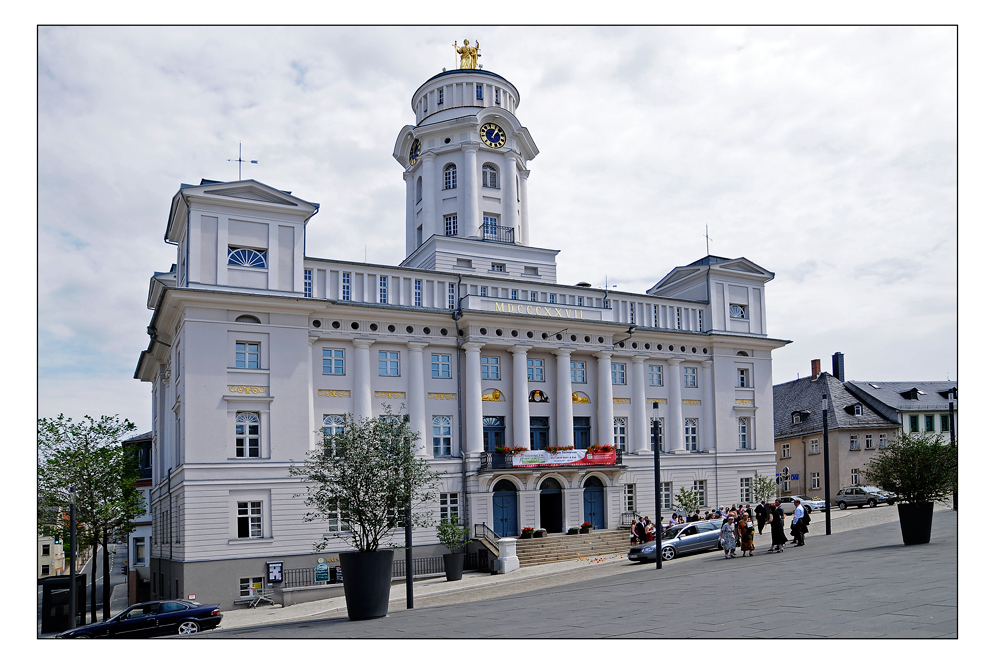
(594, 502)
(505, 509)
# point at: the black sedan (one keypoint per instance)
(173, 616)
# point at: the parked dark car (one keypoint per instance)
(678, 540)
(171, 616)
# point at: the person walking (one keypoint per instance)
(746, 535)
(761, 512)
(728, 537)
(798, 523)
(777, 538)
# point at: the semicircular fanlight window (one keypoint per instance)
(246, 258)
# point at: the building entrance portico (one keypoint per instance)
(551, 506)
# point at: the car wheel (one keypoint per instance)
(188, 627)
(872, 503)
(841, 505)
(668, 553)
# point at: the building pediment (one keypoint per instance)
(252, 193)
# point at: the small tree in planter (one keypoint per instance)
(687, 500)
(367, 475)
(764, 488)
(454, 537)
(920, 468)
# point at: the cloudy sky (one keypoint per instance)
(825, 154)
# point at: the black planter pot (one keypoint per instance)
(366, 582)
(917, 522)
(454, 566)
(584, 531)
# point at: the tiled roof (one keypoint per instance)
(141, 436)
(932, 394)
(806, 394)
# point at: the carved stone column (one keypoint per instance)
(474, 407)
(640, 421)
(520, 397)
(564, 399)
(606, 404)
(362, 388)
(675, 413)
(416, 396)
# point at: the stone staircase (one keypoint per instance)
(560, 546)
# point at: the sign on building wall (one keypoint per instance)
(564, 458)
(275, 572)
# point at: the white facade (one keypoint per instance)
(249, 361)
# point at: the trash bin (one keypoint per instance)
(55, 602)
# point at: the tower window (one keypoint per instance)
(418, 190)
(450, 177)
(452, 227)
(442, 95)
(383, 290)
(246, 257)
(417, 292)
(490, 176)
(346, 286)
(480, 91)
(497, 95)
(307, 282)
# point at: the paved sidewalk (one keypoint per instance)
(606, 570)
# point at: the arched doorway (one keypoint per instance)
(505, 509)
(551, 506)
(594, 502)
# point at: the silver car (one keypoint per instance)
(681, 539)
(858, 496)
(806, 501)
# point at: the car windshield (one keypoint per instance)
(804, 498)
(671, 533)
(873, 488)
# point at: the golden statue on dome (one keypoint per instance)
(467, 54)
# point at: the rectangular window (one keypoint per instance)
(383, 290)
(858, 409)
(630, 498)
(944, 423)
(442, 436)
(250, 519)
(337, 524)
(868, 441)
(700, 488)
(247, 435)
(442, 95)
(140, 551)
(390, 363)
(632, 312)
(929, 423)
(785, 450)
(656, 315)
(480, 91)
(678, 310)
(690, 377)
(656, 375)
(346, 286)
(441, 366)
(332, 425)
(552, 298)
(533, 297)
(246, 355)
(490, 228)
(307, 282)
(333, 361)
(815, 482)
(46, 549)
(449, 177)
(746, 489)
(539, 433)
(248, 586)
(691, 434)
(514, 293)
(883, 440)
(667, 495)
(854, 443)
(578, 372)
(452, 224)
(813, 446)
(914, 423)
(855, 476)
(618, 373)
(744, 433)
(742, 378)
(448, 506)
(497, 95)
(663, 435)
(536, 370)
(499, 267)
(483, 291)
(417, 292)
(452, 296)
(490, 368)
(621, 434)
(44, 570)
(582, 432)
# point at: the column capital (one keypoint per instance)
(473, 346)
(417, 345)
(603, 355)
(515, 350)
(563, 352)
(470, 147)
(707, 363)
(428, 156)
(409, 176)
(362, 343)
(639, 359)
(311, 340)
(674, 361)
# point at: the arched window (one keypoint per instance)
(246, 257)
(247, 319)
(418, 190)
(450, 176)
(490, 175)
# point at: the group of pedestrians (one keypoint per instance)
(773, 513)
(641, 531)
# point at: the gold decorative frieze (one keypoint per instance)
(334, 393)
(691, 402)
(491, 395)
(621, 400)
(442, 396)
(744, 402)
(389, 395)
(662, 402)
(580, 397)
(247, 389)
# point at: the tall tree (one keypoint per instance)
(88, 456)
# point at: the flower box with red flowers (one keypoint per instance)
(527, 532)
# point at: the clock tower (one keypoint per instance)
(465, 166)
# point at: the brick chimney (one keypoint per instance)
(816, 368)
(838, 366)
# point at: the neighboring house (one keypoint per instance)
(856, 432)
(922, 406)
(140, 538)
(51, 559)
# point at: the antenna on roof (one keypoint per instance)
(242, 161)
(706, 241)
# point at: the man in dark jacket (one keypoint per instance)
(761, 512)
(641, 531)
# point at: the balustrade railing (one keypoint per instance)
(496, 233)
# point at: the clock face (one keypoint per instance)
(492, 135)
(415, 152)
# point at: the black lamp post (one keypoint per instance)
(825, 459)
(72, 557)
(953, 438)
(409, 574)
(656, 483)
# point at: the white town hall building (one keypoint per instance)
(256, 349)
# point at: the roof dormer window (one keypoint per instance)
(242, 257)
(858, 409)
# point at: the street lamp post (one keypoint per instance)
(409, 574)
(825, 460)
(656, 483)
(953, 437)
(72, 557)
